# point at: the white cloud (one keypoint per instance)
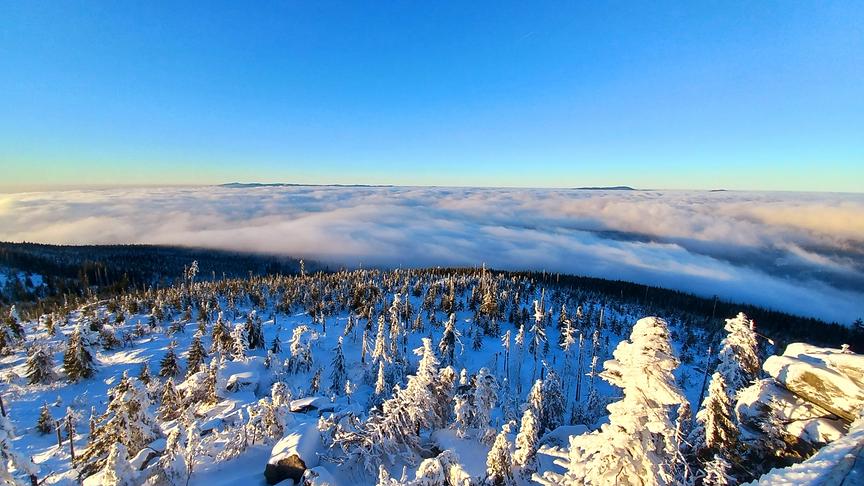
(802, 253)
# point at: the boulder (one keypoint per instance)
(812, 380)
(294, 454)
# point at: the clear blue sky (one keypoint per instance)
(748, 95)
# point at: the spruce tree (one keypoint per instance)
(553, 404)
(170, 406)
(195, 356)
(78, 360)
(637, 445)
(526, 445)
(337, 370)
(117, 470)
(40, 366)
(498, 461)
(447, 345)
(168, 366)
(255, 332)
(45, 424)
(127, 421)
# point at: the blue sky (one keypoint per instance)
(740, 95)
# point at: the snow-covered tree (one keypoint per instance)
(301, 350)
(127, 421)
(170, 406)
(254, 331)
(117, 470)
(525, 457)
(715, 429)
(337, 370)
(380, 350)
(738, 360)
(637, 446)
(40, 366)
(196, 355)
(716, 472)
(447, 345)
(498, 461)
(553, 404)
(78, 360)
(168, 366)
(485, 399)
(10, 459)
(172, 470)
(45, 424)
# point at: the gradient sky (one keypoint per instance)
(739, 95)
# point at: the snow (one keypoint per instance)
(835, 463)
(826, 387)
(304, 442)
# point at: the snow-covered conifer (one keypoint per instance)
(739, 355)
(168, 366)
(447, 345)
(40, 366)
(45, 424)
(637, 445)
(337, 370)
(170, 406)
(127, 421)
(716, 472)
(196, 355)
(527, 439)
(117, 470)
(498, 461)
(553, 403)
(78, 360)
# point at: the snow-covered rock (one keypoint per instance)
(304, 405)
(840, 462)
(800, 418)
(815, 381)
(294, 454)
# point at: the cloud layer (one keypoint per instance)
(802, 253)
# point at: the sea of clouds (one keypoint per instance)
(798, 252)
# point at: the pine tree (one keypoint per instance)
(195, 356)
(117, 470)
(13, 322)
(78, 360)
(11, 459)
(485, 399)
(381, 381)
(45, 424)
(337, 370)
(498, 471)
(637, 445)
(168, 367)
(40, 367)
(526, 444)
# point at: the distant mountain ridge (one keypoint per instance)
(246, 185)
(606, 188)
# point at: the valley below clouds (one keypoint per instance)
(797, 252)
